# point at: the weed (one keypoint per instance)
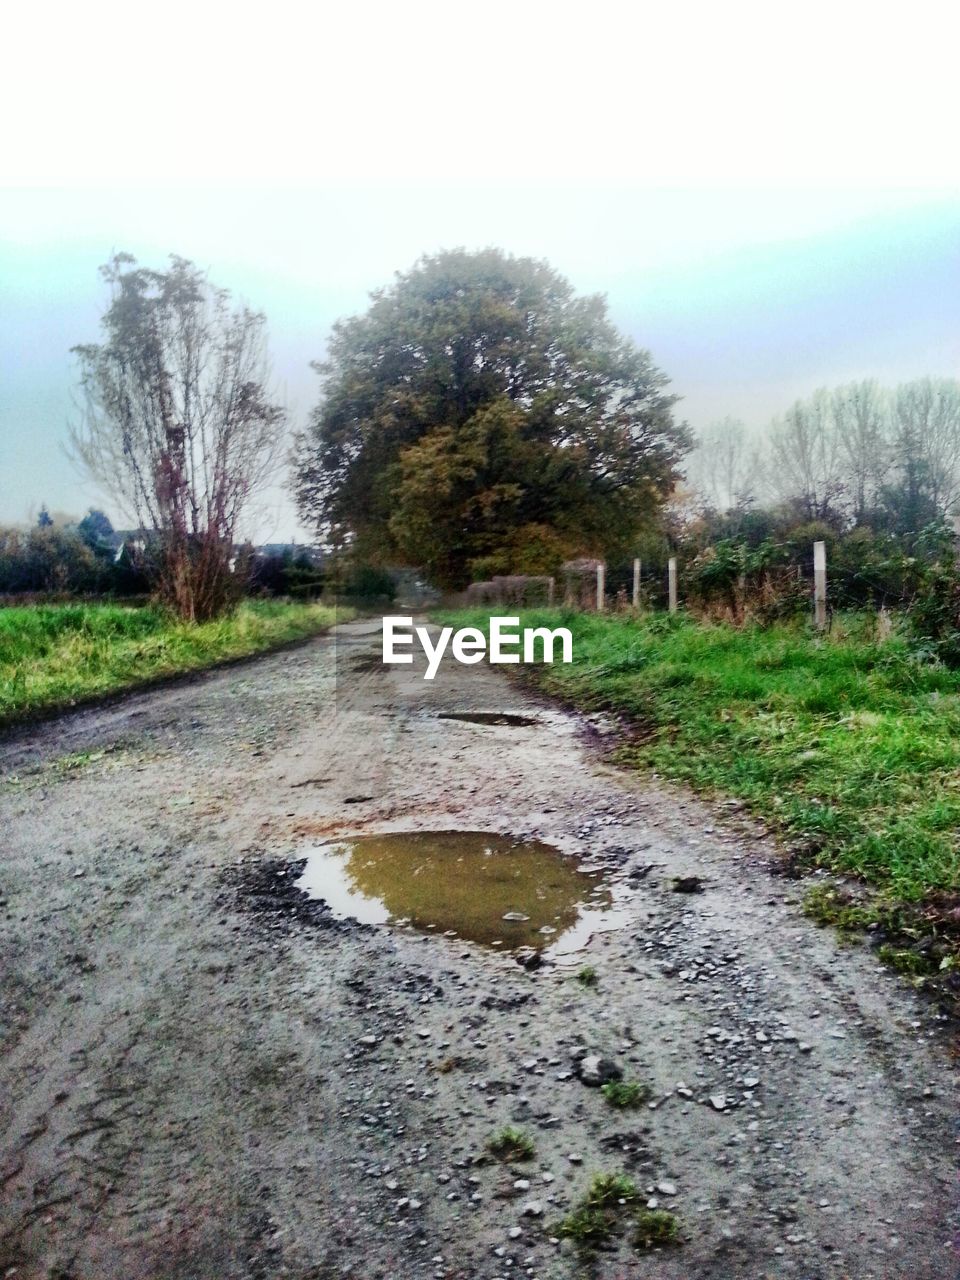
(625, 1093)
(600, 1213)
(511, 1146)
(78, 760)
(655, 1228)
(587, 1227)
(912, 963)
(919, 940)
(829, 904)
(454, 1063)
(588, 976)
(609, 1189)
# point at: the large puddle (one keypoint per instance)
(484, 887)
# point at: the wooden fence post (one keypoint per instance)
(636, 584)
(550, 593)
(820, 585)
(601, 587)
(672, 583)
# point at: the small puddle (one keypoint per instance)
(487, 888)
(489, 717)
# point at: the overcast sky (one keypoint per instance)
(769, 196)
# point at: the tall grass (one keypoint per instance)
(54, 655)
(848, 744)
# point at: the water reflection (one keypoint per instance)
(488, 888)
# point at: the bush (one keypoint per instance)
(286, 574)
(934, 615)
(51, 561)
(368, 582)
(730, 580)
(731, 573)
(47, 560)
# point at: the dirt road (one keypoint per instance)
(202, 1078)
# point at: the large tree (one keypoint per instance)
(178, 424)
(477, 398)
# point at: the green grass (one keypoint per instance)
(52, 656)
(512, 1146)
(611, 1201)
(626, 1094)
(850, 746)
(656, 1228)
(597, 1216)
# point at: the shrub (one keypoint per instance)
(368, 582)
(49, 560)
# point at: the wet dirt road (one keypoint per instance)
(203, 1078)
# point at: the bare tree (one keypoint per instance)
(806, 462)
(724, 467)
(862, 422)
(177, 423)
(928, 436)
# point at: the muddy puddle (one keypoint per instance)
(486, 888)
(505, 718)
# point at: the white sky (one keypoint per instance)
(768, 194)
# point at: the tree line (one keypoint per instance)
(855, 455)
(479, 418)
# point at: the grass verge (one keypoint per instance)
(849, 746)
(53, 656)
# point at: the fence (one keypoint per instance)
(589, 584)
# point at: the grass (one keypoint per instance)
(512, 1146)
(587, 976)
(52, 656)
(847, 744)
(656, 1228)
(597, 1216)
(611, 1199)
(625, 1094)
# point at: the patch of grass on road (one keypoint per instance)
(512, 1146)
(610, 1202)
(625, 1093)
(54, 655)
(848, 745)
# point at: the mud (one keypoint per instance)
(205, 1074)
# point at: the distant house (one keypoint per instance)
(295, 550)
(129, 540)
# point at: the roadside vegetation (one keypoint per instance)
(52, 656)
(848, 745)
